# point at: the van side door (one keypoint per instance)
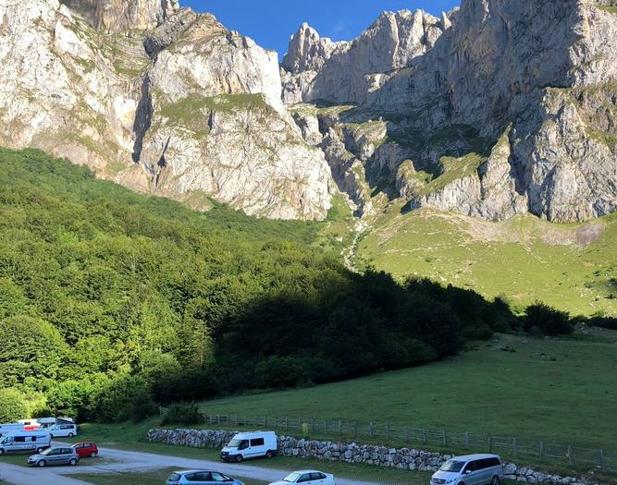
(257, 448)
(471, 474)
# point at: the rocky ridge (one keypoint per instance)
(178, 106)
(496, 109)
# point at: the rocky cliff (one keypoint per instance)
(162, 100)
(494, 109)
(498, 108)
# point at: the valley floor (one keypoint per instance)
(557, 390)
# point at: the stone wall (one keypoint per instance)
(403, 458)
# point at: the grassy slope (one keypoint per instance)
(524, 259)
(482, 391)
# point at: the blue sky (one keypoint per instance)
(271, 22)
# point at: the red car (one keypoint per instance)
(85, 450)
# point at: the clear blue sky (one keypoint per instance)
(271, 22)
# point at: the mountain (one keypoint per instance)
(493, 110)
(498, 108)
(159, 99)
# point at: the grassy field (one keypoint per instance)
(571, 267)
(561, 391)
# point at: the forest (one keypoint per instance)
(112, 303)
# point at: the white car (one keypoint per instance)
(307, 477)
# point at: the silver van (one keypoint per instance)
(470, 470)
(25, 442)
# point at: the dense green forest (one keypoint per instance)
(112, 302)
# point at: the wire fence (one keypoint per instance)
(564, 455)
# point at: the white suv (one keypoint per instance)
(470, 470)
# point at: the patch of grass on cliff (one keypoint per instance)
(190, 110)
(603, 137)
(454, 169)
(524, 259)
(608, 9)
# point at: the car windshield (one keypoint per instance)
(234, 443)
(292, 477)
(452, 466)
(47, 451)
(174, 477)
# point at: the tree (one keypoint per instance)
(13, 405)
(31, 347)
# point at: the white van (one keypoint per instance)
(25, 442)
(245, 446)
(9, 428)
(62, 430)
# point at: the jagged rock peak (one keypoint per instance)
(308, 51)
(114, 16)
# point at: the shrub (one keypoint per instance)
(184, 414)
(544, 320)
(13, 405)
(142, 406)
(603, 321)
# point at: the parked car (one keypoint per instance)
(67, 430)
(55, 456)
(245, 446)
(25, 442)
(470, 470)
(307, 477)
(200, 477)
(85, 450)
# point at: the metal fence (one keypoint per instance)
(538, 451)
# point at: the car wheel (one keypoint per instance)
(51, 435)
(495, 480)
(42, 463)
(40, 450)
(239, 458)
(93, 454)
(270, 454)
(1, 451)
(71, 435)
(72, 462)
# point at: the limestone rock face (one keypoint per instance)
(187, 109)
(448, 90)
(349, 71)
(114, 16)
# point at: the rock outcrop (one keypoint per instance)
(347, 72)
(113, 16)
(448, 89)
(178, 106)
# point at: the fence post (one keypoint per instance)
(424, 437)
(490, 444)
(355, 429)
(406, 434)
(444, 438)
(387, 428)
(601, 462)
(370, 429)
(467, 440)
(514, 448)
(570, 455)
(541, 447)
